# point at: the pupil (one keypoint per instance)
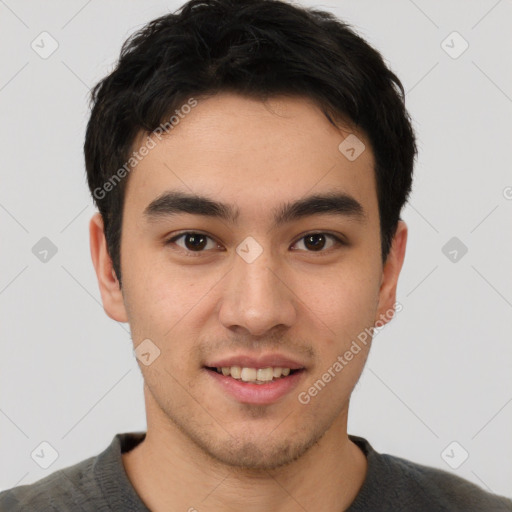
(315, 245)
(315, 242)
(197, 241)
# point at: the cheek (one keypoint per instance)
(151, 288)
(161, 313)
(345, 300)
(168, 305)
(342, 309)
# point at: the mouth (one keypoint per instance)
(254, 386)
(258, 376)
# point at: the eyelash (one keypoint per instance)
(338, 241)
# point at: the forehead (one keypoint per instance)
(254, 155)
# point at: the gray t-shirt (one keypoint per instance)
(100, 484)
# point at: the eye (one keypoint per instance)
(193, 242)
(316, 242)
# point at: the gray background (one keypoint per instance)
(439, 373)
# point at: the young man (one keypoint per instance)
(250, 160)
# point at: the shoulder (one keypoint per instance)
(446, 490)
(65, 489)
(96, 484)
(394, 483)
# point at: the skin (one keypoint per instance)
(204, 449)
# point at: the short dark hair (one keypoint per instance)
(260, 49)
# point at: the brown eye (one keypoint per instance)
(317, 242)
(193, 242)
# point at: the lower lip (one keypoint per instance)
(260, 394)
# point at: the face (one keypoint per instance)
(254, 284)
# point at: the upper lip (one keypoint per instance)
(250, 361)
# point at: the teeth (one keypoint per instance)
(235, 371)
(249, 374)
(254, 375)
(265, 374)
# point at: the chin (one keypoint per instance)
(260, 454)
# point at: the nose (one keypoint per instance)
(257, 297)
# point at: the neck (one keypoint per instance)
(170, 472)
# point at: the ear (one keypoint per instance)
(110, 290)
(390, 273)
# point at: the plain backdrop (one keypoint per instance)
(437, 387)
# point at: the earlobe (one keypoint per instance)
(110, 290)
(390, 274)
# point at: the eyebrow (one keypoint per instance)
(176, 202)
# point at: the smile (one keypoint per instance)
(256, 386)
(254, 375)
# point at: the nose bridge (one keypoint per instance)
(255, 298)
